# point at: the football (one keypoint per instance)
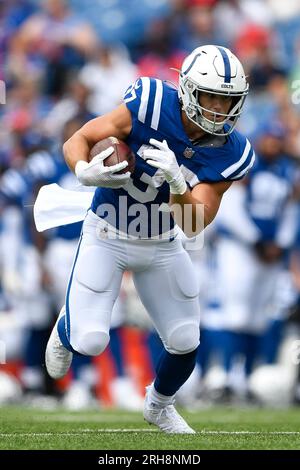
(121, 152)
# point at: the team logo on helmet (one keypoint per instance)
(226, 85)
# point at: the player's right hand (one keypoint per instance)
(162, 157)
(96, 174)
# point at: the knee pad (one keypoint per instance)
(183, 339)
(92, 343)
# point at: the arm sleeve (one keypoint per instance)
(244, 161)
(144, 99)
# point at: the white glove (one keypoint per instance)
(165, 159)
(96, 174)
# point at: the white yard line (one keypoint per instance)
(130, 430)
(84, 431)
(251, 432)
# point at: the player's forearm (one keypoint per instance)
(117, 124)
(75, 149)
(200, 205)
(191, 215)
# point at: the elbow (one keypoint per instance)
(209, 215)
(191, 219)
(190, 234)
(65, 146)
(207, 221)
(67, 153)
(193, 227)
(65, 149)
(194, 230)
(68, 148)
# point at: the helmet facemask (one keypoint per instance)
(190, 96)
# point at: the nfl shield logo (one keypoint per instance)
(188, 153)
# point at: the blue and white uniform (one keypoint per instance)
(162, 270)
(21, 259)
(156, 113)
(269, 189)
(264, 212)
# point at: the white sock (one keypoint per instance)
(158, 399)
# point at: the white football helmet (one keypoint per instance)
(212, 69)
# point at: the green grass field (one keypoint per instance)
(217, 428)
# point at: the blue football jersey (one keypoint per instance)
(156, 113)
(45, 167)
(16, 190)
(18, 187)
(67, 180)
(269, 189)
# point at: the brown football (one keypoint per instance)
(121, 152)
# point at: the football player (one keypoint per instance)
(251, 252)
(187, 154)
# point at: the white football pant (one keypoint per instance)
(248, 287)
(164, 278)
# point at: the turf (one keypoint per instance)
(217, 428)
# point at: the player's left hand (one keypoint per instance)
(164, 158)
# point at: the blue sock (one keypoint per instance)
(61, 328)
(173, 370)
(155, 347)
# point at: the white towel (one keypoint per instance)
(55, 206)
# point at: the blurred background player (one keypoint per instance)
(250, 256)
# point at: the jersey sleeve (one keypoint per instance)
(244, 160)
(143, 99)
(13, 186)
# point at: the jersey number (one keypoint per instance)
(154, 182)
